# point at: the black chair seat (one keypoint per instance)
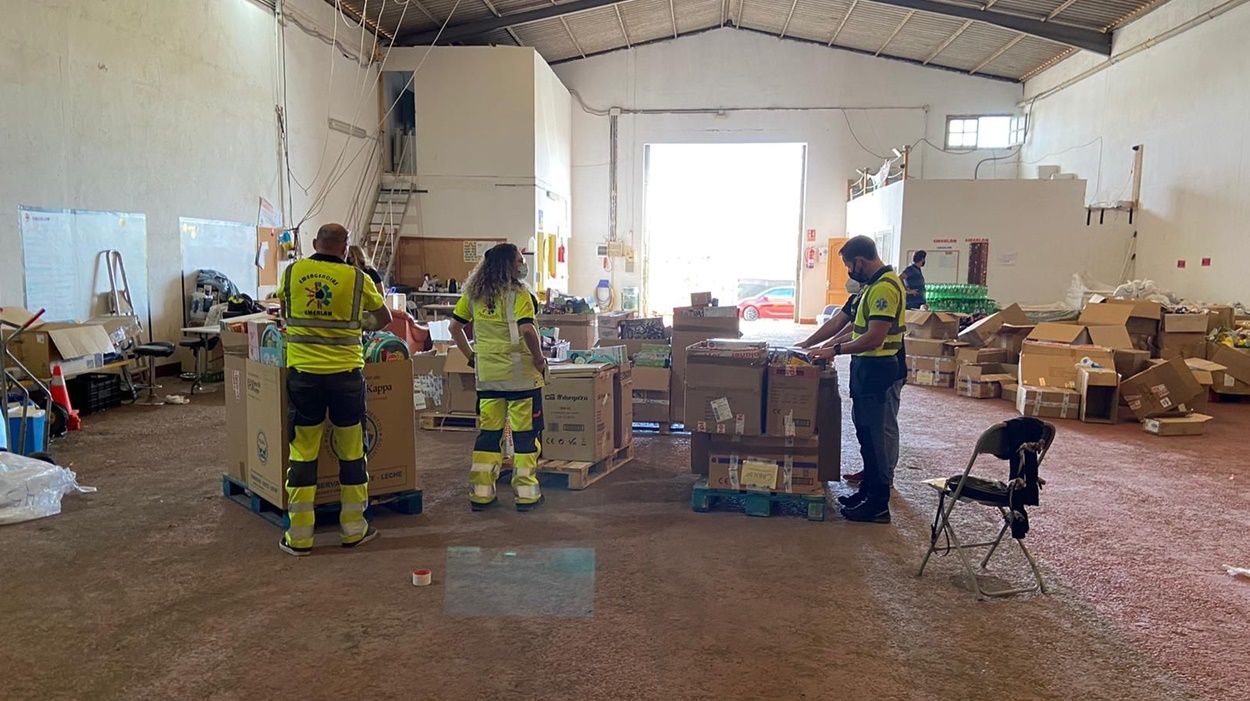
(156, 349)
(194, 343)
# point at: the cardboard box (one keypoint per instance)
(579, 408)
(622, 408)
(460, 387)
(1141, 317)
(1167, 388)
(692, 325)
(791, 406)
(633, 346)
(1220, 316)
(1100, 394)
(1049, 332)
(390, 433)
(700, 299)
(610, 323)
(1205, 372)
(1010, 389)
(814, 461)
(237, 437)
(930, 378)
(984, 381)
(1235, 378)
(945, 365)
(1185, 323)
(976, 356)
(580, 330)
(1048, 402)
(1113, 337)
(932, 325)
(930, 347)
(429, 383)
(982, 332)
(1182, 345)
(1130, 361)
(725, 388)
(651, 394)
(1010, 337)
(1054, 364)
(77, 348)
(1192, 425)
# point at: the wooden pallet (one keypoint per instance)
(663, 428)
(402, 502)
(704, 499)
(580, 475)
(449, 422)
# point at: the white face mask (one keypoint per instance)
(853, 287)
(523, 272)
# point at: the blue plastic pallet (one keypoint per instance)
(704, 499)
(403, 502)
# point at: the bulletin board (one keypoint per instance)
(225, 246)
(447, 258)
(66, 272)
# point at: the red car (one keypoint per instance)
(774, 303)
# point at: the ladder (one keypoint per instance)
(385, 224)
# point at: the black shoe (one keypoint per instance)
(867, 512)
(292, 550)
(478, 506)
(369, 535)
(851, 501)
(532, 506)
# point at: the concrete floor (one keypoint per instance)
(157, 587)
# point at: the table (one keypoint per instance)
(201, 361)
(432, 310)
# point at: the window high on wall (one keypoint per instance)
(984, 131)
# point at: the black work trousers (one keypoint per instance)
(311, 398)
(875, 390)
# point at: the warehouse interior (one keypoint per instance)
(688, 187)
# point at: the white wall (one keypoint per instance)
(729, 68)
(165, 109)
(1185, 100)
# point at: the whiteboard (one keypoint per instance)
(225, 246)
(65, 270)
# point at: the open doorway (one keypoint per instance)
(725, 219)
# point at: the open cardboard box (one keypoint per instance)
(1054, 364)
(1100, 394)
(77, 348)
(1235, 378)
(983, 332)
(1166, 388)
(932, 325)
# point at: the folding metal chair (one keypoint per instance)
(994, 441)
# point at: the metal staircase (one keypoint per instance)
(385, 224)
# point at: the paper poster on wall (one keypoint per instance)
(475, 251)
(267, 216)
(66, 270)
(1007, 259)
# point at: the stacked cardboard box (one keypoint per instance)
(692, 325)
(580, 330)
(390, 432)
(1183, 336)
(651, 394)
(610, 324)
(931, 348)
(581, 410)
(799, 447)
(725, 387)
(984, 380)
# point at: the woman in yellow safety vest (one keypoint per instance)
(510, 368)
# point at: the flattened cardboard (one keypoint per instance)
(1192, 425)
(1100, 394)
(1048, 402)
(932, 325)
(1182, 345)
(578, 411)
(982, 332)
(1185, 323)
(1167, 388)
(1054, 364)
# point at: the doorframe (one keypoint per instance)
(802, 233)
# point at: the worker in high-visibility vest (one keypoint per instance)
(878, 372)
(325, 302)
(510, 368)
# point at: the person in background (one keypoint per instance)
(324, 303)
(510, 369)
(415, 335)
(878, 371)
(913, 280)
(357, 257)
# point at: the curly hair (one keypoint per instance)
(494, 275)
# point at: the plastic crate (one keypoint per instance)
(95, 392)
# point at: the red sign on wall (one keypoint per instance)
(1180, 263)
(811, 234)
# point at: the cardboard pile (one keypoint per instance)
(725, 387)
(984, 380)
(692, 325)
(76, 347)
(797, 446)
(931, 348)
(1235, 377)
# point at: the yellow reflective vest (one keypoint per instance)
(504, 362)
(323, 300)
(882, 299)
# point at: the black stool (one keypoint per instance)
(206, 345)
(152, 351)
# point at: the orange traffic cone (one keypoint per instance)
(60, 395)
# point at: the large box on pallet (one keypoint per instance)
(578, 412)
(796, 465)
(235, 383)
(792, 401)
(725, 387)
(651, 394)
(692, 325)
(390, 433)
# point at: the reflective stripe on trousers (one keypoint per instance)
(488, 450)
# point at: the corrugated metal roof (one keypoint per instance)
(872, 26)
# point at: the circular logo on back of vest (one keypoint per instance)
(319, 295)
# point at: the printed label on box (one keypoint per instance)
(759, 475)
(1229, 380)
(721, 410)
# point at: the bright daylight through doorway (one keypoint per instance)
(726, 218)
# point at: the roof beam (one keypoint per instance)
(568, 30)
(672, 15)
(724, 11)
(742, 4)
(836, 32)
(511, 32)
(949, 40)
(621, 21)
(1088, 39)
(996, 54)
(1055, 12)
(894, 33)
(790, 16)
(475, 28)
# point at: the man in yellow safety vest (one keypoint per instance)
(324, 303)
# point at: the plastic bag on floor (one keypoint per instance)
(31, 489)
